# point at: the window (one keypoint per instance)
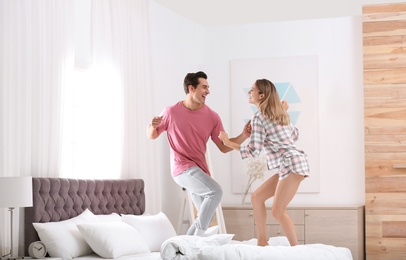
(92, 125)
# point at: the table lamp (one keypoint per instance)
(15, 192)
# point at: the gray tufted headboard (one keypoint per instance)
(56, 199)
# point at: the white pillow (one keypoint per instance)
(109, 218)
(113, 239)
(154, 228)
(63, 239)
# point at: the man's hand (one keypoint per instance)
(156, 121)
(151, 128)
(285, 105)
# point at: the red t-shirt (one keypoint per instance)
(188, 132)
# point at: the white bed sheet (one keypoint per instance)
(221, 247)
(250, 252)
(143, 256)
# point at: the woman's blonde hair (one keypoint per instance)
(271, 105)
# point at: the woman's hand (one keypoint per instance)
(247, 129)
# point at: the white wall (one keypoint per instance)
(180, 46)
(237, 12)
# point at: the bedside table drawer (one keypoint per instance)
(276, 230)
(297, 216)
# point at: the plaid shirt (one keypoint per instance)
(277, 141)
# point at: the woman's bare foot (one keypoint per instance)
(262, 243)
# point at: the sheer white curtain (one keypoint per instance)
(120, 42)
(36, 58)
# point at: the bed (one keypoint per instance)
(105, 219)
(62, 205)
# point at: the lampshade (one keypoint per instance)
(15, 192)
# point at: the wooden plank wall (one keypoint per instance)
(384, 47)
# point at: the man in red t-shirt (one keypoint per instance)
(189, 125)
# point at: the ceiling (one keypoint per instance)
(212, 13)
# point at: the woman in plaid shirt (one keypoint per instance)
(273, 132)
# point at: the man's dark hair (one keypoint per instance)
(193, 79)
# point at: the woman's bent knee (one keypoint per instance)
(256, 198)
(277, 213)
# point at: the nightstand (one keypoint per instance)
(332, 225)
(29, 258)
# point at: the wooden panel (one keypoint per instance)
(389, 48)
(387, 130)
(389, 184)
(392, 60)
(387, 109)
(383, 8)
(394, 229)
(387, 256)
(375, 223)
(395, 16)
(385, 148)
(385, 203)
(374, 94)
(384, 49)
(383, 103)
(385, 76)
(385, 116)
(386, 245)
(385, 28)
(389, 139)
(385, 156)
(382, 168)
(373, 45)
(381, 121)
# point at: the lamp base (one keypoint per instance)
(29, 258)
(7, 256)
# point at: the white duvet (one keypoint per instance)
(140, 256)
(221, 246)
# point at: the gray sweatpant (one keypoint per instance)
(206, 195)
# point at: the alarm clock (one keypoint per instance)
(37, 250)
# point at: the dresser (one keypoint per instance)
(337, 226)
